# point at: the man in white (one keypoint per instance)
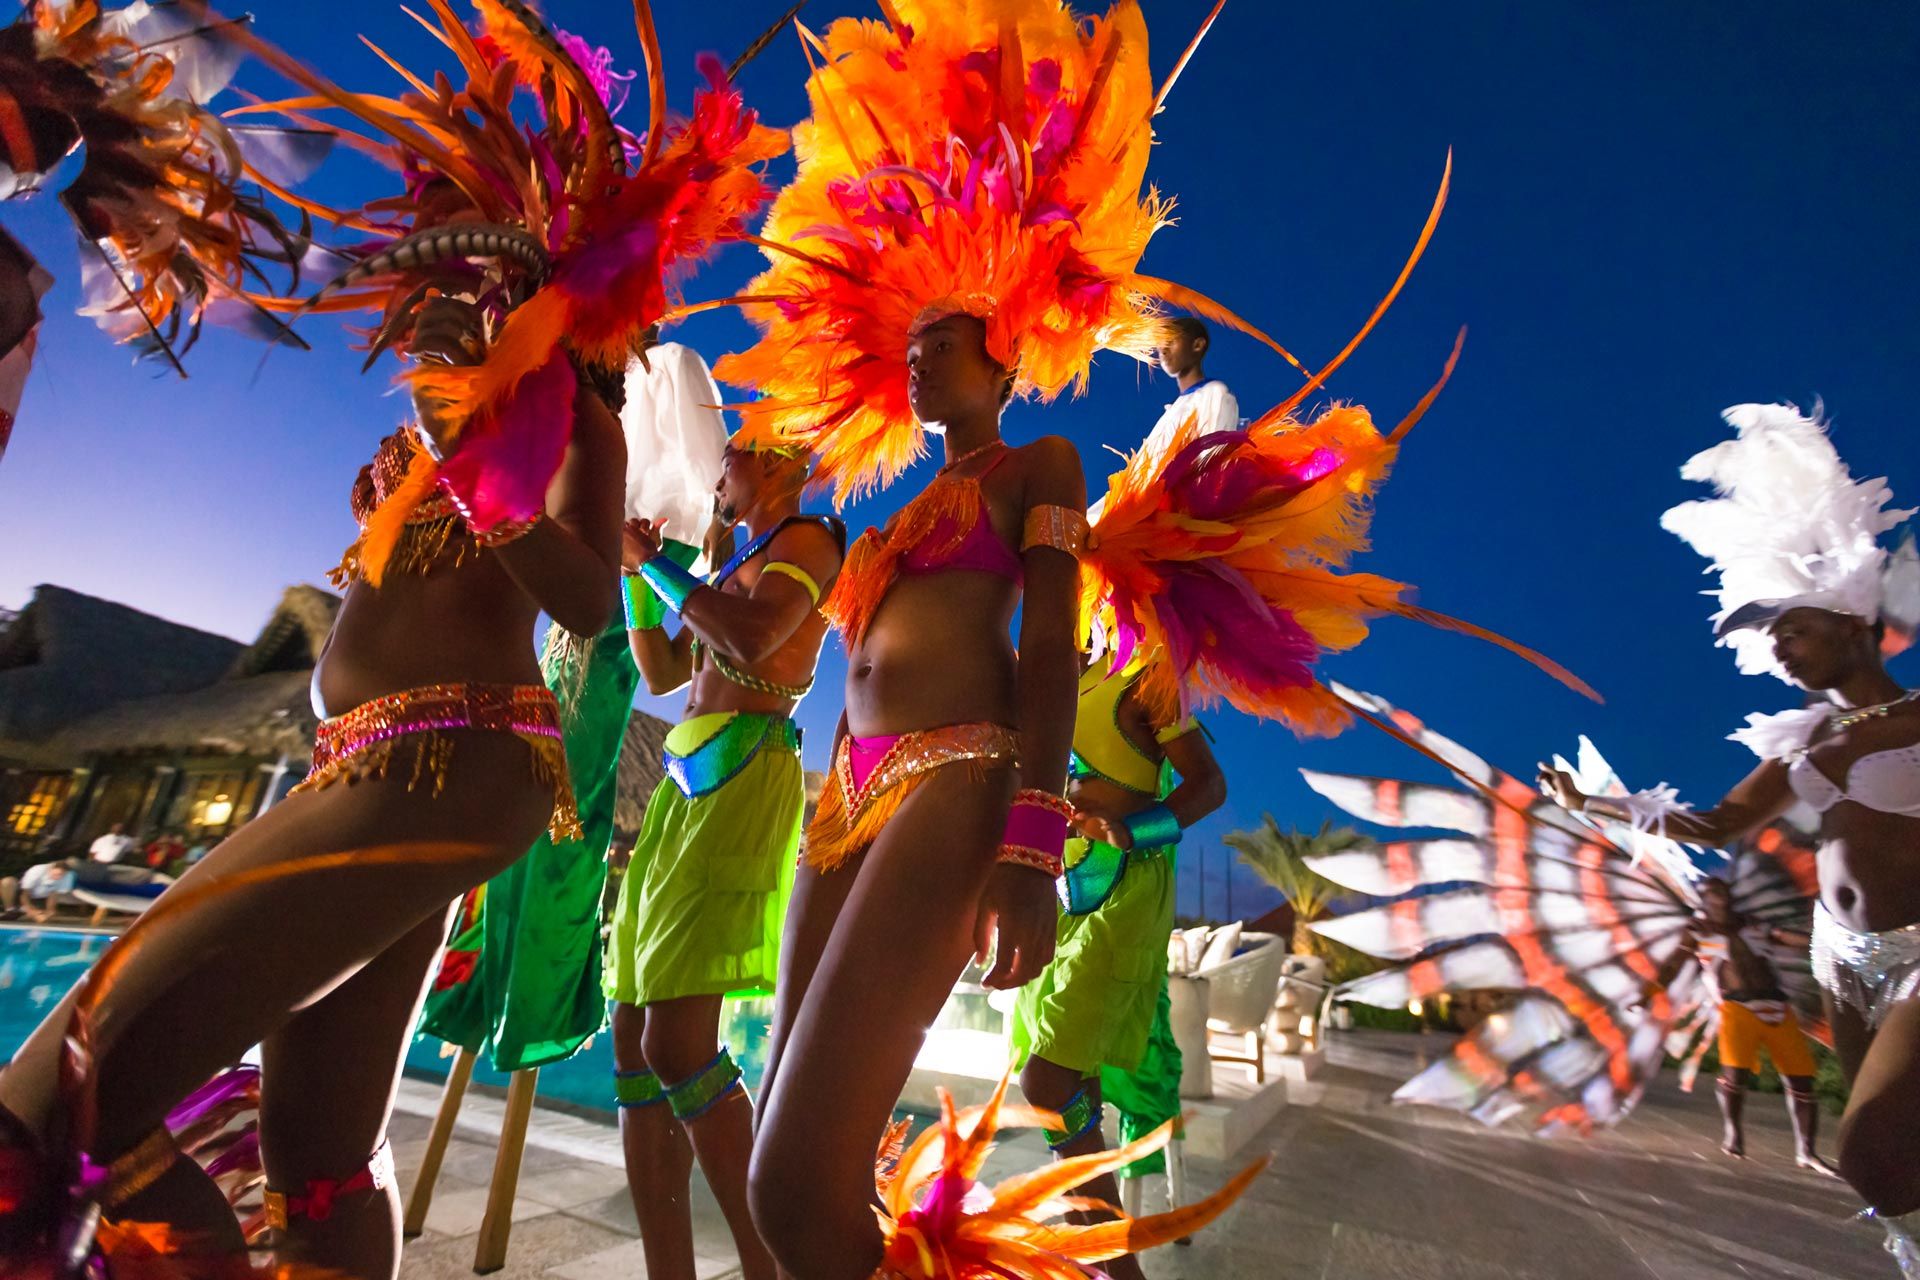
(112, 846)
(1183, 353)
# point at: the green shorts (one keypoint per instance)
(702, 903)
(1093, 1006)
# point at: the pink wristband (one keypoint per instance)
(1037, 826)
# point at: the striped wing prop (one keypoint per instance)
(1521, 896)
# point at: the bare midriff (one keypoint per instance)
(792, 664)
(1870, 867)
(937, 653)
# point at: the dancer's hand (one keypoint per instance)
(1106, 830)
(1017, 920)
(1558, 786)
(639, 542)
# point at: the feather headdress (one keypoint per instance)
(172, 234)
(1224, 560)
(568, 235)
(976, 156)
(1790, 528)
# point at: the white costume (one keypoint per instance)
(675, 440)
(1211, 402)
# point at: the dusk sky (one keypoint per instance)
(1658, 210)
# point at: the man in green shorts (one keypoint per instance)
(1094, 1006)
(699, 912)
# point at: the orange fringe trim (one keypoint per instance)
(417, 551)
(871, 566)
(432, 761)
(849, 818)
(381, 535)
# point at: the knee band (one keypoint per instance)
(1081, 1116)
(704, 1089)
(637, 1088)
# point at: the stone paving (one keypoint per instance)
(1358, 1190)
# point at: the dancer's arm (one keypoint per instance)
(1758, 799)
(665, 662)
(1202, 790)
(751, 628)
(569, 562)
(1017, 909)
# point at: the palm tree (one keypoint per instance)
(1279, 857)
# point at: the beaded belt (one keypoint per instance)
(1870, 971)
(361, 743)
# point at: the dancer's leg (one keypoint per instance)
(319, 1122)
(901, 942)
(1053, 1087)
(1803, 1109)
(1880, 1131)
(1732, 1088)
(681, 1039)
(200, 988)
(817, 901)
(659, 1158)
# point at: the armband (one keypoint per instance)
(670, 582)
(645, 610)
(1036, 833)
(1062, 528)
(1155, 828)
(799, 575)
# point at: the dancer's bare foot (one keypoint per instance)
(1810, 1161)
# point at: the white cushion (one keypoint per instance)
(1221, 945)
(1185, 948)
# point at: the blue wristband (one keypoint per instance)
(670, 582)
(1154, 828)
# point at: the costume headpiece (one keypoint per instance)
(964, 156)
(172, 236)
(566, 235)
(1791, 528)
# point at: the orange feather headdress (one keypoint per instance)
(976, 156)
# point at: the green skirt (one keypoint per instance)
(702, 903)
(1093, 1006)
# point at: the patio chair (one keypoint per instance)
(1240, 996)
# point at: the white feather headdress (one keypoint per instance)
(1790, 529)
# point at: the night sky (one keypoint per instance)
(1658, 210)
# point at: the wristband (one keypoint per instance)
(1155, 828)
(645, 610)
(1036, 833)
(670, 582)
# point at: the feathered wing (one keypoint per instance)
(174, 232)
(572, 237)
(1224, 558)
(1524, 897)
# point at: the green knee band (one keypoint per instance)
(704, 1089)
(637, 1088)
(1081, 1116)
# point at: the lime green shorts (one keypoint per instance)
(701, 906)
(1093, 1006)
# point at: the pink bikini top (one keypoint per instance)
(979, 548)
(1888, 781)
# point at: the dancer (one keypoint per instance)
(521, 977)
(1182, 355)
(506, 505)
(1092, 1009)
(1588, 920)
(23, 282)
(1734, 955)
(700, 908)
(1802, 584)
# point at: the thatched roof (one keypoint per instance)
(642, 765)
(67, 655)
(264, 706)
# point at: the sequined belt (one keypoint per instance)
(872, 777)
(361, 743)
(707, 752)
(1870, 971)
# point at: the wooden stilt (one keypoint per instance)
(490, 1252)
(421, 1197)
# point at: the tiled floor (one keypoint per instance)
(1358, 1190)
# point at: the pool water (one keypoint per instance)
(39, 966)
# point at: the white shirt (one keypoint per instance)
(675, 440)
(110, 848)
(1211, 402)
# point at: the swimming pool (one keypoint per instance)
(38, 966)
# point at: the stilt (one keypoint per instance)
(421, 1197)
(490, 1253)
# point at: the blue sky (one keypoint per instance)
(1659, 210)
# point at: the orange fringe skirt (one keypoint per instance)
(872, 777)
(362, 743)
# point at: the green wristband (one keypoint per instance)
(646, 610)
(1155, 828)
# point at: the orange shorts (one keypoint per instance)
(1743, 1035)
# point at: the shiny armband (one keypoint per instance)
(1155, 828)
(670, 582)
(1036, 834)
(645, 610)
(1062, 528)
